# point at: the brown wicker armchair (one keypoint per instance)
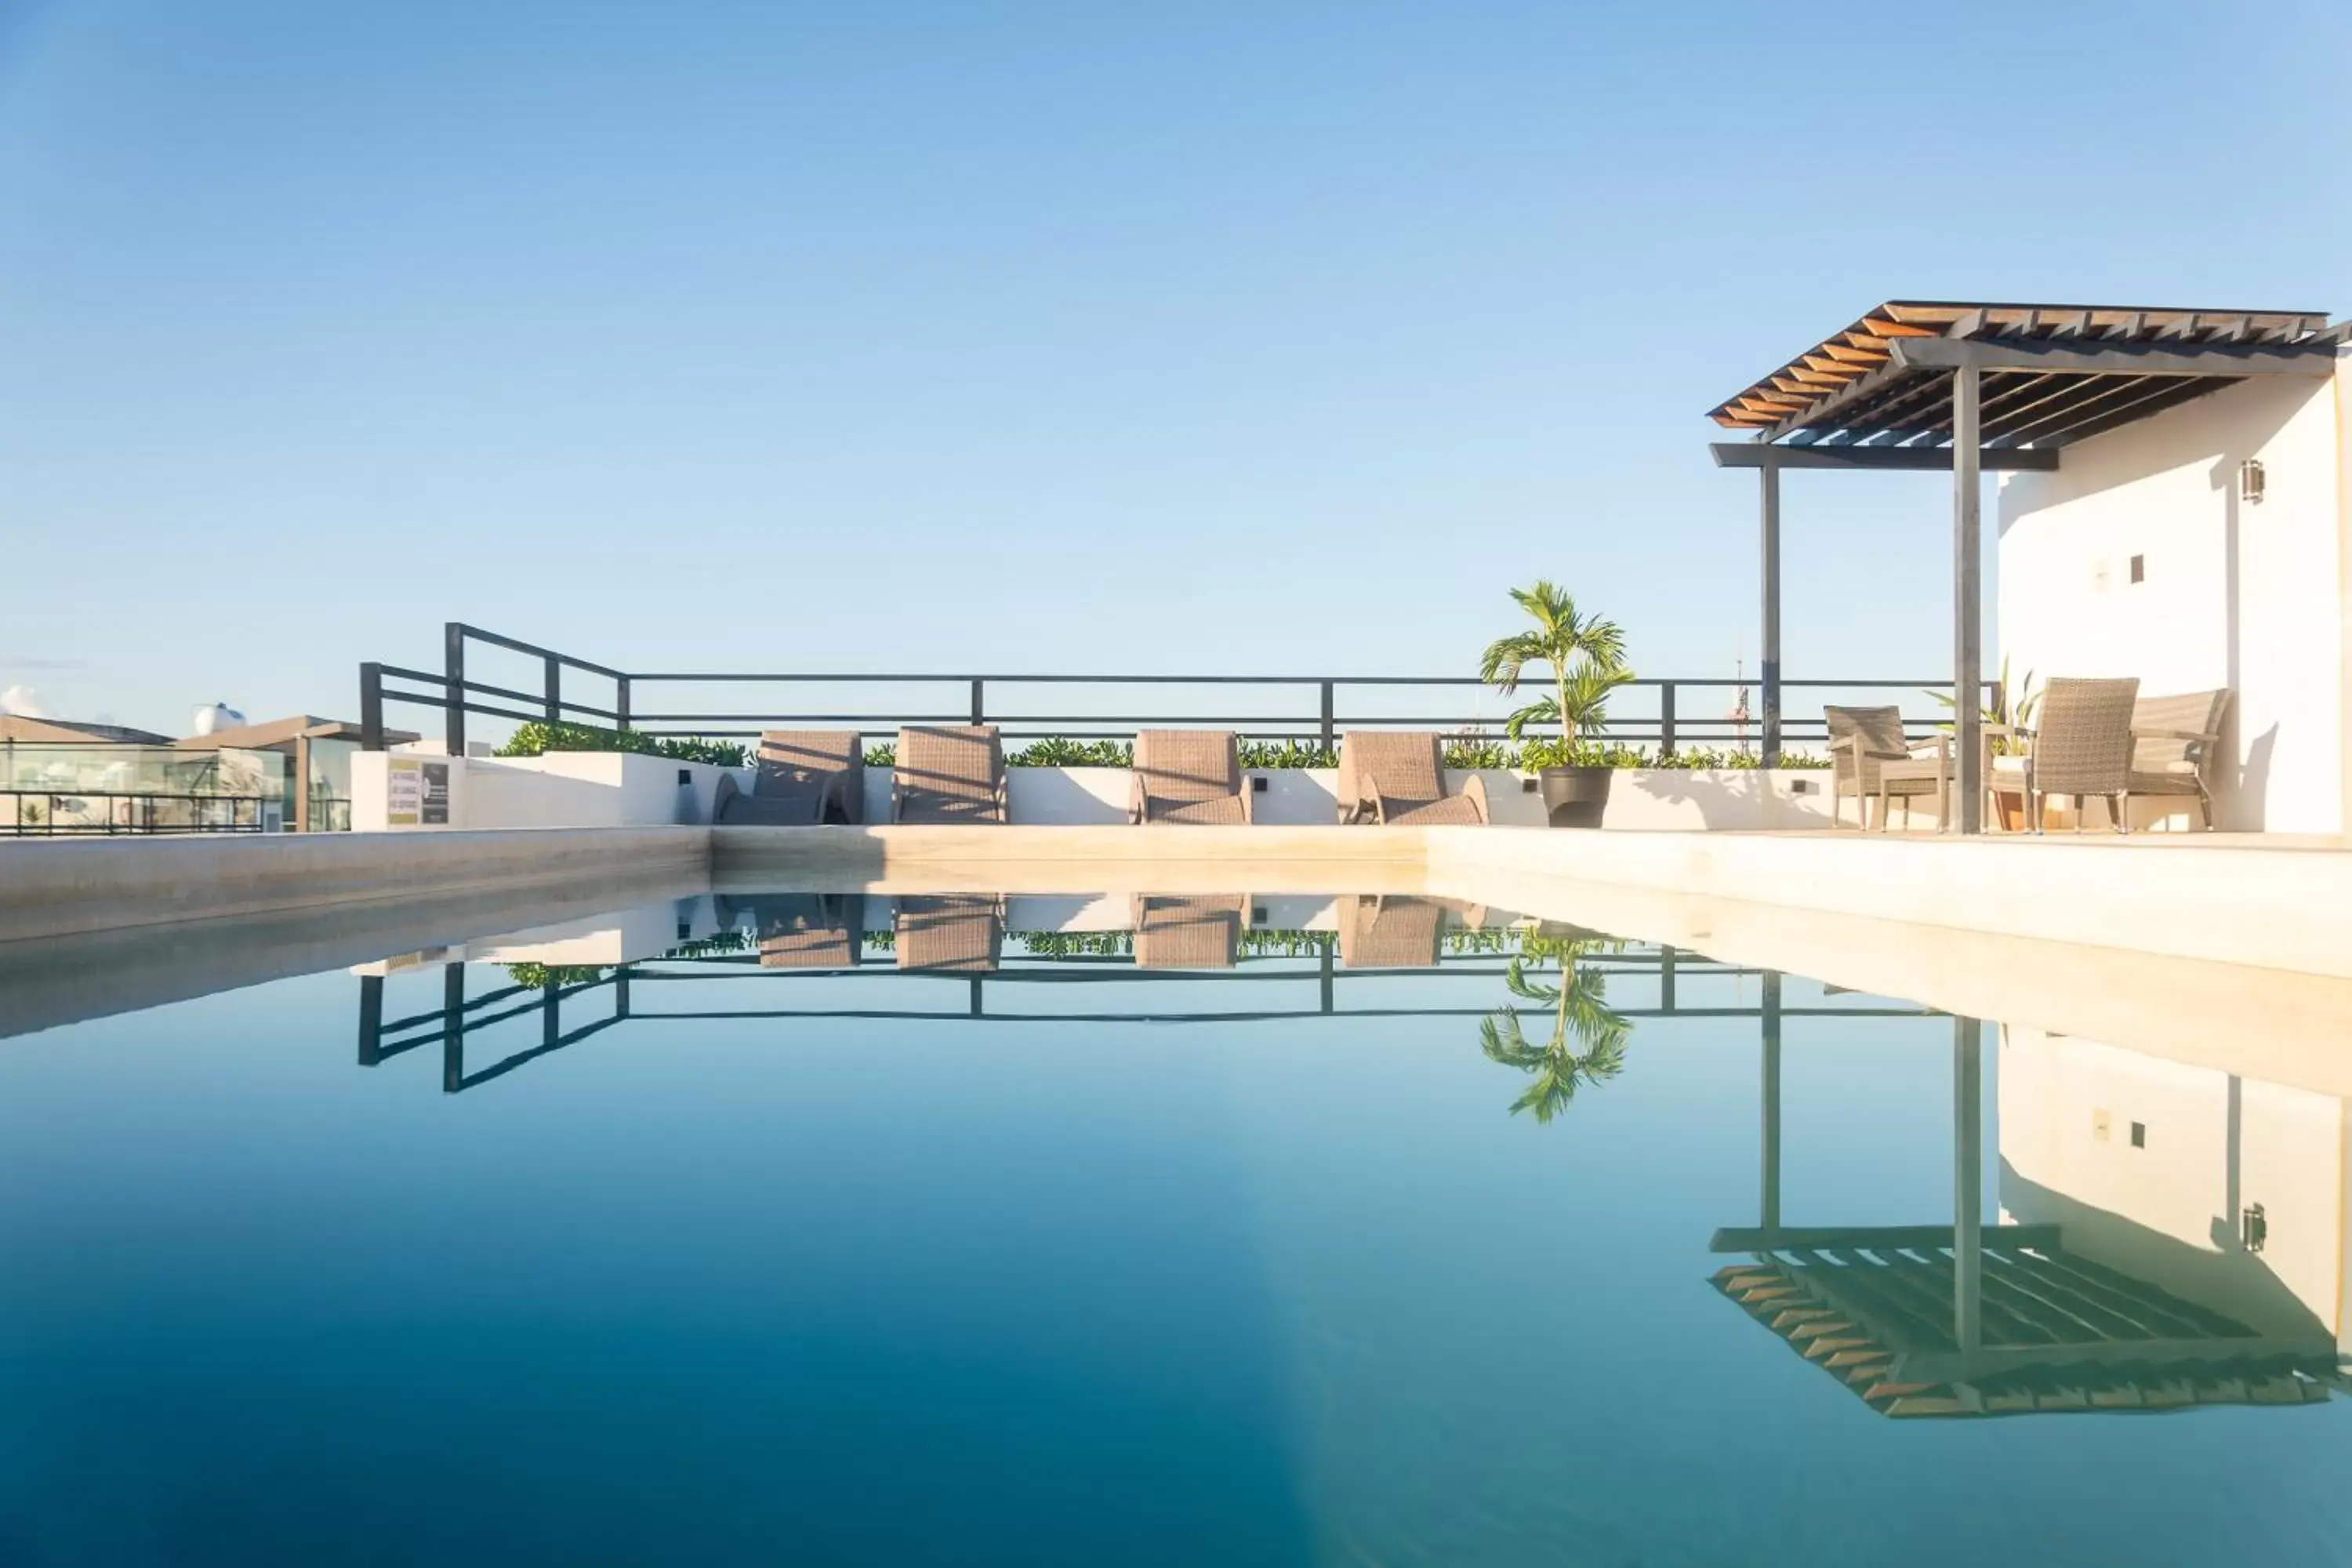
(948, 773)
(2081, 745)
(1870, 755)
(1189, 776)
(2176, 742)
(1397, 778)
(800, 778)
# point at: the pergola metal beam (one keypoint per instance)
(2093, 358)
(1930, 459)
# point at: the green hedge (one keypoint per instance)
(1060, 752)
(537, 738)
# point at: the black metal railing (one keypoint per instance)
(1300, 707)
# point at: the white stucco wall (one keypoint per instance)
(2244, 596)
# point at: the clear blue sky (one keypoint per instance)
(996, 335)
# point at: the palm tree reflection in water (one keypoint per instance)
(1587, 1040)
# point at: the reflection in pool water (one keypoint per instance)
(803, 1226)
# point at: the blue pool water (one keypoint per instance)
(797, 1265)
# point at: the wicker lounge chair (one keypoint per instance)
(2174, 741)
(2081, 745)
(1196, 933)
(1189, 776)
(1870, 756)
(1389, 932)
(1397, 779)
(801, 777)
(962, 933)
(950, 773)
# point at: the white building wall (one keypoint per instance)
(2244, 596)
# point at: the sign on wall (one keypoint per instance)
(416, 793)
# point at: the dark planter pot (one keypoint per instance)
(1575, 798)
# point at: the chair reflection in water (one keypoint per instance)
(1972, 1318)
(799, 930)
(1189, 931)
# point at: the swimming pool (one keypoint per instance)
(840, 1227)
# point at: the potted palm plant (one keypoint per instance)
(1588, 1039)
(1586, 656)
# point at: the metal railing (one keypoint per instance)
(1672, 724)
(461, 1014)
(35, 813)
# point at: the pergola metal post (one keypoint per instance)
(372, 707)
(1967, 1183)
(453, 1026)
(453, 687)
(1770, 1021)
(301, 783)
(1767, 476)
(370, 1019)
(1968, 601)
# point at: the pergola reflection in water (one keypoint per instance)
(1971, 1319)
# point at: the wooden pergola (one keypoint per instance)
(1921, 384)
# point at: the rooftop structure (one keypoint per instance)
(68, 732)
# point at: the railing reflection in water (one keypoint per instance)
(1306, 981)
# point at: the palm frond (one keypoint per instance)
(1519, 983)
(1505, 657)
(1542, 710)
(1589, 689)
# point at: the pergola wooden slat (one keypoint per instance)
(1968, 386)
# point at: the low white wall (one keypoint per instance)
(615, 789)
(1639, 798)
(1684, 799)
(560, 789)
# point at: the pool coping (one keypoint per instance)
(2263, 907)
